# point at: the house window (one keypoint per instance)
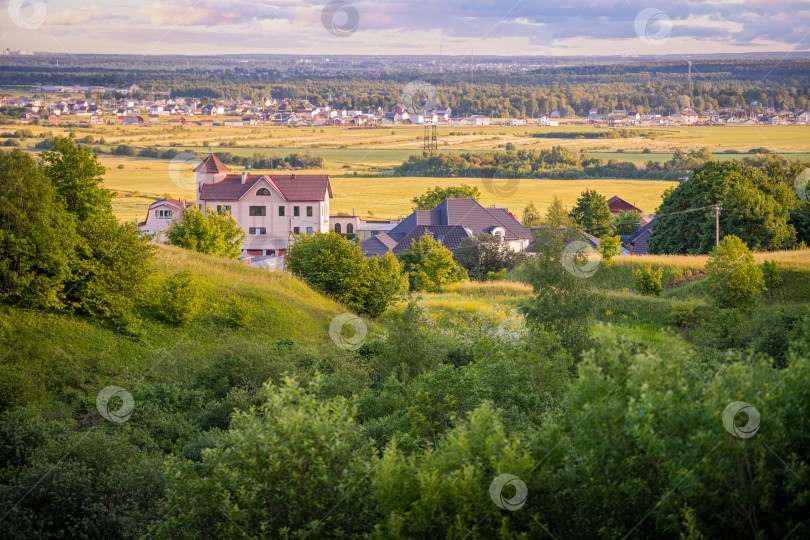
(296, 211)
(337, 228)
(349, 228)
(224, 208)
(309, 211)
(264, 192)
(309, 230)
(257, 211)
(296, 230)
(163, 214)
(257, 230)
(281, 211)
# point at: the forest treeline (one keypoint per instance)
(645, 87)
(556, 162)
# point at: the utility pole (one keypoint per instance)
(717, 225)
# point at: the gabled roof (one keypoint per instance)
(617, 204)
(639, 238)
(212, 165)
(292, 187)
(449, 235)
(466, 213)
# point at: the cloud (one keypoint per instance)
(70, 17)
(207, 13)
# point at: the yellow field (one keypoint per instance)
(371, 151)
(391, 197)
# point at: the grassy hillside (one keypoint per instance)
(81, 356)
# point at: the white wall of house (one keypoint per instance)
(158, 220)
(268, 220)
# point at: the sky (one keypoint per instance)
(406, 27)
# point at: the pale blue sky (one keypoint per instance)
(526, 27)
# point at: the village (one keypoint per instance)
(54, 105)
(273, 209)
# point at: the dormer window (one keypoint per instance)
(264, 192)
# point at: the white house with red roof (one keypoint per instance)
(161, 215)
(270, 208)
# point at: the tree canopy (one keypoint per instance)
(210, 232)
(755, 207)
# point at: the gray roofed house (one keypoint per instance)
(636, 243)
(451, 221)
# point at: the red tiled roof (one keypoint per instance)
(617, 205)
(292, 187)
(212, 165)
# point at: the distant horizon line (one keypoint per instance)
(803, 54)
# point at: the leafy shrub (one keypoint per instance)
(733, 278)
(683, 314)
(295, 465)
(647, 280)
(179, 299)
(771, 275)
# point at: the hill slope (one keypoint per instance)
(246, 313)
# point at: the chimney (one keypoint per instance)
(632, 248)
(635, 228)
(244, 176)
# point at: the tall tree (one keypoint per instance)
(755, 207)
(430, 265)
(483, 254)
(531, 216)
(210, 232)
(592, 214)
(558, 216)
(37, 235)
(78, 176)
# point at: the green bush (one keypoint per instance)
(733, 278)
(683, 314)
(771, 275)
(647, 280)
(179, 299)
(294, 466)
